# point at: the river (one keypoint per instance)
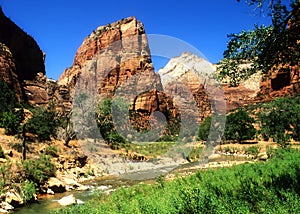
(49, 203)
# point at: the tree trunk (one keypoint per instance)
(24, 142)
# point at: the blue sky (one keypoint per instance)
(59, 27)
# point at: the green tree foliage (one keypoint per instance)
(264, 47)
(11, 121)
(204, 129)
(239, 126)
(38, 170)
(43, 123)
(8, 98)
(10, 118)
(5, 175)
(280, 120)
(28, 190)
(105, 121)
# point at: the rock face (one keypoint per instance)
(29, 58)
(114, 61)
(284, 79)
(8, 70)
(22, 59)
(243, 94)
(22, 68)
(183, 78)
(119, 46)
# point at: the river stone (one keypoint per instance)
(56, 185)
(82, 187)
(6, 206)
(103, 188)
(68, 200)
(8, 153)
(13, 198)
(263, 156)
(50, 192)
(3, 211)
(214, 156)
(3, 160)
(78, 201)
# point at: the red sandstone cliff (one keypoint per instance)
(284, 79)
(115, 61)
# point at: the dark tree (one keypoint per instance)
(265, 47)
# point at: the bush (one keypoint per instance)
(105, 123)
(204, 129)
(252, 150)
(28, 190)
(43, 123)
(8, 98)
(280, 120)
(239, 126)
(52, 151)
(5, 175)
(38, 170)
(11, 121)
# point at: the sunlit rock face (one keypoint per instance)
(184, 79)
(114, 62)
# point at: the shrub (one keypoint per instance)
(239, 126)
(105, 122)
(252, 150)
(43, 123)
(5, 175)
(28, 190)
(38, 170)
(8, 98)
(52, 151)
(280, 120)
(11, 121)
(204, 129)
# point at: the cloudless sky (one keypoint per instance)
(60, 26)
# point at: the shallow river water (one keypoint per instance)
(49, 203)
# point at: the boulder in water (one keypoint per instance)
(68, 200)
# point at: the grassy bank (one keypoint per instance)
(271, 187)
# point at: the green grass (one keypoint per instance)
(271, 187)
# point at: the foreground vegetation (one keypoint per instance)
(278, 119)
(271, 187)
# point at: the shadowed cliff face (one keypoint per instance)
(8, 70)
(29, 58)
(21, 58)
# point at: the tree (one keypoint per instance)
(264, 47)
(280, 120)
(8, 98)
(11, 121)
(105, 121)
(239, 126)
(204, 129)
(43, 123)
